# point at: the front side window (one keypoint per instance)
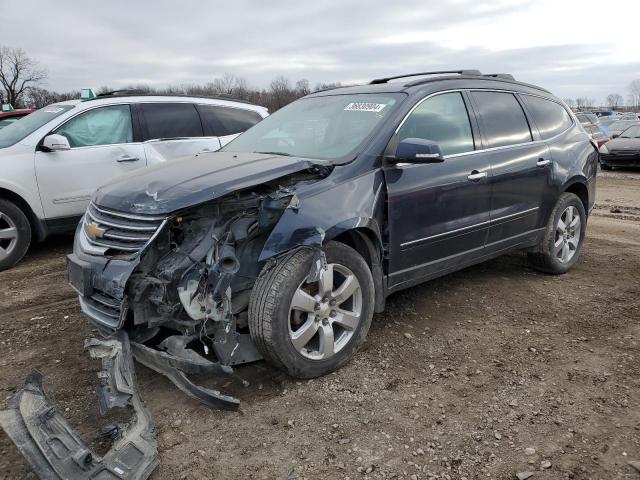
(223, 121)
(171, 120)
(443, 119)
(550, 117)
(99, 126)
(503, 119)
(327, 127)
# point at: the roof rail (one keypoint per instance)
(130, 91)
(145, 93)
(440, 72)
(504, 76)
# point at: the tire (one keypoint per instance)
(15, 234)
(551, 258)
(275, 324)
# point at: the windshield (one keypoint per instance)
(328, 127)
(16, 131)
(631, 132)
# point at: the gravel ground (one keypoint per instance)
(486, 373)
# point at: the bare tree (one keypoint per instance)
(584, 102)
(37, 97)
(571, 103)
(614, 100)
(634, 93)
(18, 73)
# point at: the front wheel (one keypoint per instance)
(15, 234)
(311, 329)
(560, 247)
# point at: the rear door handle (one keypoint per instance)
(127, 158)
(542, 162)
(476, 175)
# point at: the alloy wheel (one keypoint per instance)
(8, 236)
(567, 237)
(324, 315)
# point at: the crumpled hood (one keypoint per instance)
(178, 184)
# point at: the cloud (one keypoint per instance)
(120, 43)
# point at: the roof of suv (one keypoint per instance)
(432, 81)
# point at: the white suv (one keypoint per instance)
(52, 160)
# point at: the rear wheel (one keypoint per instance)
(310, 329)
(15, 234)
(560, 248)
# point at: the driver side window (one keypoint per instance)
(100, 126)
(442, 119)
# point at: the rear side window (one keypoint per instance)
(442, 119)
(550, 117)
(503, 119)
(99, 126)
(171, 120)
(221, 121)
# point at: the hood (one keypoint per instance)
(178, 184)
(623, 144)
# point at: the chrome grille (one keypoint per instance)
(115, 233)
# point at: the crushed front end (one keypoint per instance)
(179, 284)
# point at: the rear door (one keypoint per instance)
(227, 122)
(103, 144)
(438, 213)
(520, 168)
(173, 130)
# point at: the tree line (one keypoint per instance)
(22, 77)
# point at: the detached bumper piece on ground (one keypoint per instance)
(53, 448)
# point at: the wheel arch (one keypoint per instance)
(367, 243)
(36, 224)
(578, 186)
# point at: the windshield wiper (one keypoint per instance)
(284, 154)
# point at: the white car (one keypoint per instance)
(52, 160)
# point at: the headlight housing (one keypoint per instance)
(604, 149)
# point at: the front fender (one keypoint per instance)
(321, 216)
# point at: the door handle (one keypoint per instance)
(542, 162)
(476, 175)
(127, 158)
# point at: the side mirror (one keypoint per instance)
(55, 143)
(417, 150)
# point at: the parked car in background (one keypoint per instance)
(596, 134)
(605, 113)
(9, 115)
(622, 151)
(586, 118)
(52, 160)
(619, 126)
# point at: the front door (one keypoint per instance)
(438, 213)
(102, 148)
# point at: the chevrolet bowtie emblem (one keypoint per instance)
(93, 231)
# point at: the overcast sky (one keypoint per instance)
(574, 48)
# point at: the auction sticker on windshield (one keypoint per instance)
(364, 107)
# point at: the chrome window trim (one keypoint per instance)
(470, 227)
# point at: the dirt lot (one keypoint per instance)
(460, 378)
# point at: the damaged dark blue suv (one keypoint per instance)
(283, 244)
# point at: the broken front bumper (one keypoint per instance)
(55, 451)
